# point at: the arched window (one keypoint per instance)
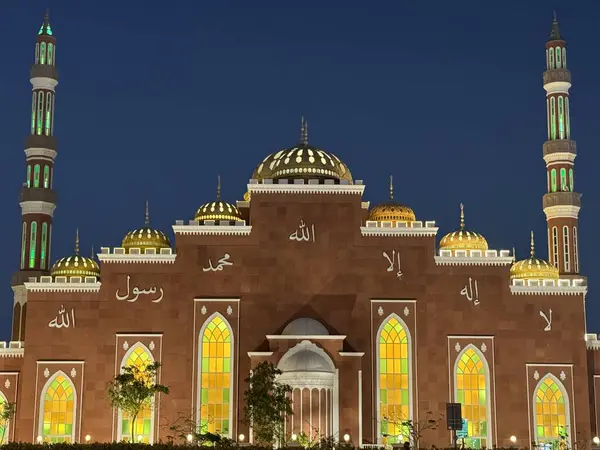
(43, 255)
(558, 59)
(563, 180)
(215, 392)
(50, 54)
(43, 53)
(37, 53)
(40, 112)
(53, 102)
(551, 406)
(472, 391)
(575, 251)
(28, 175)
(23, 245)
(139, 356)
(567, 117)
(551, 58)
(46, 177)
(548, 119)
(33, 103)
(571, 181)
(553, 180)
(48, 113)
(564, 58)
(547, 61)
(553, 117)
(566, 249)
(561, 118)
(394, 378)
(57, 410)
(555, 246)
(32, 244)
(36, 176)
(49, 242)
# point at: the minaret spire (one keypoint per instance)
(391, 187)
(218, 188)
(532, 246)
(462, 216)
(561, 203)
(77, 241)
(147, 216)
(304, 132)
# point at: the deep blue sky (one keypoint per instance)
(155, 101)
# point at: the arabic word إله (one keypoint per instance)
(469, 293)
(64, 319)
(224, 261)
(395, 258)
(133, 294)
(303, 233)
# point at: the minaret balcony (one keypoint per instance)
(43, 71)
(562, 199)
(560, 146)
(40, 141)
(556, 75)
(37, 195)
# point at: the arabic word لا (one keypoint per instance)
(133, 294)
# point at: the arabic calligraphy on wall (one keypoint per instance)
(64, 319)
(304, 233)
(224, 261)
(548, 319)
(393, 260)
(131, 295)
(469, 293)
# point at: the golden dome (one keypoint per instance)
(218, 210)
(76, 265)
(145, 237)
(302, 161)
(533, 268)
(392, 211)
(463, 239)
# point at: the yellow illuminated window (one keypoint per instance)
(550, 412)
(215, 372)
(58, 409)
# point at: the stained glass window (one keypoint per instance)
(561, 118)
(40, 111)
(472, 394)
(33, 104)
(139, 357)
(58, 411)
(553, 179)
(23, 245)
(36, 176)
(48, 113)
(50, 53)
(571, 180)
(567, 117)
(551, 420)
(553, 118)
(28, 175)
(46, 177)
(32, 244)
(5, 426)
(558, 63)
(43, 53)
(563, 180)
(394, 386)
(552, 58)
(43, 246)
(215, 372)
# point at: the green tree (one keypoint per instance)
(266, 403)
(7, 412)
(133, 389)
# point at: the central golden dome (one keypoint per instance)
(462, 239)
(391, 211)
(145, 237)
(218, 210)
(76, 265)
(533, 268)
(302, 161)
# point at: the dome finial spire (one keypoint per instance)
(77, 241)
(147, 215)
(92, 255)
(391, 187)
(532, 252)
(47, 16)
(218, 188)
(304, 131)
(462, 216)
(514, 255)
(554, 32)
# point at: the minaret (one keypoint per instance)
(37, 199)
(561, 203)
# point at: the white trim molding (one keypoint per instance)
(394, 229)
(20, 295)
(38, 207)
(355, 354)
(557, 87)
(561, 211)
(253, 354)
(33, 152)
(136, 256)
(43, 83)
(62, 284)
(211, 230)
(552, 158)
(12, 349)
(303, 337)
(267, 186)
(474, 258)
(563, 286)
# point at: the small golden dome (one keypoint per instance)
(533, 268)
(145, 237)
(463, 239)
(218, 210)
(76, 265)
(302, 161)
(392, 211)
(247, 197)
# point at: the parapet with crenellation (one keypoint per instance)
(12, 349)
(63, 284)
(474, 258)
(137, 255)
(561, 286)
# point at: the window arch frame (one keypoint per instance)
(553, 180)
(552, 118)
(564, 186)
(8, 423)
(43, 52)
(555, 246)
(551, 54)
(41, 409)
(50, 57)
(561, 117)
(128, 353)
(566, 249)
(24, 245)
(558, 57)
(575, 251)
(32, 244)
(404, 325)
(233, 371)
(563, 390)
(48, 115)
(489, 438)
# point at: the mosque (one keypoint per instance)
(354, 333)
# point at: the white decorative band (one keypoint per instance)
(40, 152)
(473, 260)
(562, 211)
(12, 349)
(37, 207)
(43, 83)
(395, 232)
(558, 87)
(139, 259)
(305, 188)
(548, 290)
(213, 230)
(551, 158)
(62, 287)
(20, 295)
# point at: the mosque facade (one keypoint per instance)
(372, 320)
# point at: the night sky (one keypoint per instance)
(154, 102)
